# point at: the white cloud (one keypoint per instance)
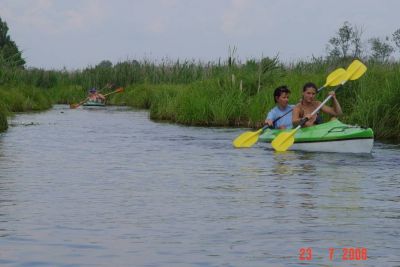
(89, 14)
(170, 3)
(158, 25)
(232, 18)
(62, 32)
(54, 17)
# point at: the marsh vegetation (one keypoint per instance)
(226, 92)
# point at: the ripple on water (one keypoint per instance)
(109, 187)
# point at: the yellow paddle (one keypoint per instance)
(334, 79)
(120, 89)
(78, 104)
(286, 139)
(248, 139)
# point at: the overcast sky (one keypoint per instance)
(77, 33)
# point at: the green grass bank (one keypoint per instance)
(226, 93)
(372, 101)
(21, 98)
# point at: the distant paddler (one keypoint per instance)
(95, 96)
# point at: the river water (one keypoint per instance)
(109, 187)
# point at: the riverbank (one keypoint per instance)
(228, 94)
(21, 98)
(371, 101)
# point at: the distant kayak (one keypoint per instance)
(332, 136)
(94, 104)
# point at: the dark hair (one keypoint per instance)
(308, 85)
(281, 89)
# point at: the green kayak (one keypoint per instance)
(89, 104)
(332, 136)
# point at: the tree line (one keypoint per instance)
(346, 43)
(10, 55)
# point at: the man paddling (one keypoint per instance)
(95, 96)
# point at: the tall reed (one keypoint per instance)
(223, 93)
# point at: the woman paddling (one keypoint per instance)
(308, 104)
(279, 117)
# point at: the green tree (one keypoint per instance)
(346, 43)
(396, 38)
(381, 50)
(105, 64)
(9, 52)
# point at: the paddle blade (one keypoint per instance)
(355, 70)
(119, 90)
(336, 77)
(73, 105)
(247, 139)
(283, 141)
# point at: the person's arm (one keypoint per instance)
(336, 110)
(270, 118)
(296, 119)
(270, 123)
(311, 120)
(102, 97)
(296, 116)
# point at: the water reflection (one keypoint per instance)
(5, 190)
(293, 162)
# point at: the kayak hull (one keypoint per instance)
(333, 136)
(340, 146)
(94, 105)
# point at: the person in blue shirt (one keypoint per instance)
(280, 117)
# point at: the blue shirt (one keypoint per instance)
(286, 121)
